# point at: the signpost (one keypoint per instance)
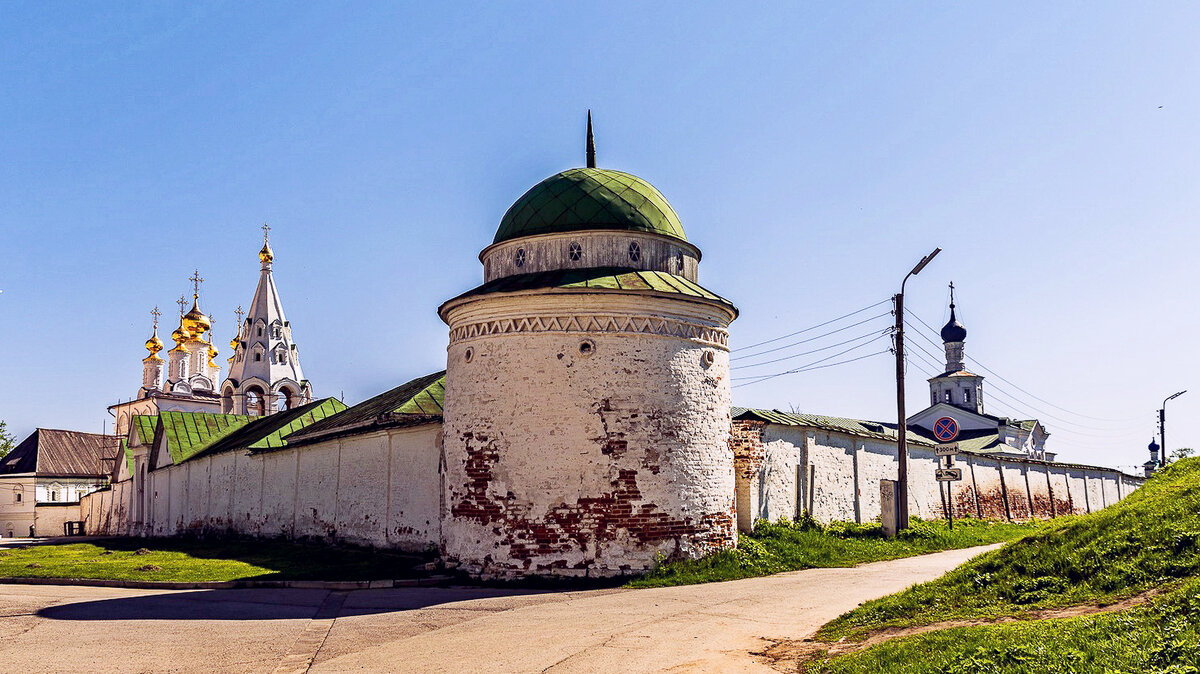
(948, 475)
(946, 430)
(947, 449)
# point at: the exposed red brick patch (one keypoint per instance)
(747, 445)
(578, 527)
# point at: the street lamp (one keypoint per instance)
(1162, 425)
(901, 425)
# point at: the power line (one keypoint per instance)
(1001, 378)
(819, 325)
(809, 369)
(810, 339)
(873, 333)
(1018, 406)
(812, 365)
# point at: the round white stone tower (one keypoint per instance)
(587, 411)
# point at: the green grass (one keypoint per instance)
(186, 560)
(1149, 539)
(1162, 636)
(787, 546)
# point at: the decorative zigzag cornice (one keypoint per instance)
(593, 323)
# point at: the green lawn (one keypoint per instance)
(1149, 541)
(185, 560)
(786, 546)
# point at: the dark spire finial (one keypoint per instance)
(953, 331)
(591, 143)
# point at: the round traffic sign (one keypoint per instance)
(945, 429)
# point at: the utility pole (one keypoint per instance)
(901, 425)
(1162, 425)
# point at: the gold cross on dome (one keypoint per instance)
(239, 312)
(266, 232)
(182, 302)
(156, 313)
(196, 281)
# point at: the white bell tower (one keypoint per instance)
(264, 373)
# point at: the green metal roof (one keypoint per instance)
(870, 429)
(590, 198)
(414, 401)
(604, 278)
(128, 452)
(144, 425)
(271, 432)
(188, 433)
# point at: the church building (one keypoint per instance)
(958, 393)
(264, 373)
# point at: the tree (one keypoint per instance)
(1176, 454)
(7, 441)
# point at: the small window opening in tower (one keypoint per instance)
(948, 397)
(257, 357)
(635, 251)
(519, 258)
(967, 396)
(575, 251)
(260, 331)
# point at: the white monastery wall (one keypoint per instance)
(415, 487)
(835, 476)
(317, 491)
(362, 488)
(379, 490)
(279, 493)
(246, 503)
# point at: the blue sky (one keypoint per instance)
(814, 152)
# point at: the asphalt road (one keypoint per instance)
(713, 627)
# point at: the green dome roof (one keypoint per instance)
(589, 198)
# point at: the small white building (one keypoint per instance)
(43, 479)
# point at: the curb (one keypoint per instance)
(342, 585)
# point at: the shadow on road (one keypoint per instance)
(270, 604)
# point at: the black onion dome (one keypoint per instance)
(953, 330)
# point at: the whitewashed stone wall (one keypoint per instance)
(835, 476)
(597, 249)
(379, 489)
(565, 462)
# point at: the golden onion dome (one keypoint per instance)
(154, 345)
(212, 353)
(195, 322)
(179, 335)
(265, 254)
(233, 343)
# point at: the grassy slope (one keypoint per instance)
(1160, 637)
(1149, 540)
(193, 561)
(785, 546)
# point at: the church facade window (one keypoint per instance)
(519, 258)
(635, 252)
(575, 251)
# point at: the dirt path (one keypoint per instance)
(713, 627)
